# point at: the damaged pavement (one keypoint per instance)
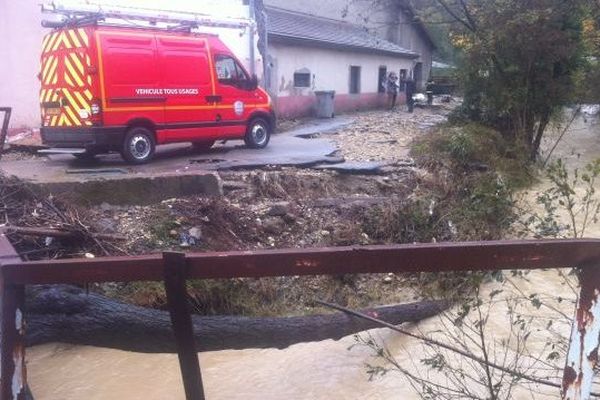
(369, 143)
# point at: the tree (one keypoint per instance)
(519, 60)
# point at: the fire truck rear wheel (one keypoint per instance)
(258, 134)
(139, 145)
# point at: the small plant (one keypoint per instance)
(461, 148)
(573, 196)
(481, 361)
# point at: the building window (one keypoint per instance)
(403, 74)
(354, 80)
(381, 87)
(302, 79)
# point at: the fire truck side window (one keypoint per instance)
(229, 72)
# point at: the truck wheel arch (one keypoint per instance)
(144, 123)
(269, 117)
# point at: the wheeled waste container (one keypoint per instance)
(325, 103)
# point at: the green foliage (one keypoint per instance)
(518, 61)
(571, 194)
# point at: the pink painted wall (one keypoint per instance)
(304, 106)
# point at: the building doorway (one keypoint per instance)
(381, 88)
(418, 76)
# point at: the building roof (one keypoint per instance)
(303, 29)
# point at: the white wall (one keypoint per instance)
(331, 68)
(381, 17)
(22, 33)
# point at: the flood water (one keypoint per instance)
(324, 370)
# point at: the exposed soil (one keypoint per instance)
(269, 209)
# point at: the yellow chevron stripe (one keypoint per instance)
(51, 41)
(57, 42)
(47, 63)
(44, 43)
(85, 105)
(53, 120)
(88, 94)
(52, 71)
(77, 62)
(42, 95)
(48, 95)
(74, 38)
(70, 98)
(84, 37)
(68, 79)
(74, 118)
(73, 72)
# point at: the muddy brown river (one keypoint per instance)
(324, 370)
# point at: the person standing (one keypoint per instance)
(392, 89)
(409, 89)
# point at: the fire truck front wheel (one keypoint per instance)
(258, 134)
(139, 145)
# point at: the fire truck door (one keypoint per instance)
(188, 85)
(236, 99)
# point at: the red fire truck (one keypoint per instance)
(107, 87)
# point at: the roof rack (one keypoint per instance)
(76, 14)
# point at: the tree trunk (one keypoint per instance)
(67, 314)
(535, 147)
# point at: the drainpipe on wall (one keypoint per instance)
(251, 37)
(266, 63)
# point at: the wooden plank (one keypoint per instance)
(175, 267)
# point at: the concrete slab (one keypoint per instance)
(351, 167)
(177, 170)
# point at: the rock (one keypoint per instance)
(195, 233)
(105, 207)
(105, 225)
(279, 209)
(273, 225)
(388, 279)
(173, 233)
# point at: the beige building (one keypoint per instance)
(341, 46)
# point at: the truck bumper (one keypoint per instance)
(103, 138)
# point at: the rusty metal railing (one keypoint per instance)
(175, 268)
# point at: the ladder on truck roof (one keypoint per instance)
(75, 13)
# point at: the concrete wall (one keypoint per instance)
(330, 70)
(21, 33)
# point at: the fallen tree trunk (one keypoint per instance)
(67, 314)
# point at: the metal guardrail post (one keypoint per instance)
(175, 266)
(4, 130)
(582, 357)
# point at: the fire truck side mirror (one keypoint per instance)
(248, 84)
(253, 82)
